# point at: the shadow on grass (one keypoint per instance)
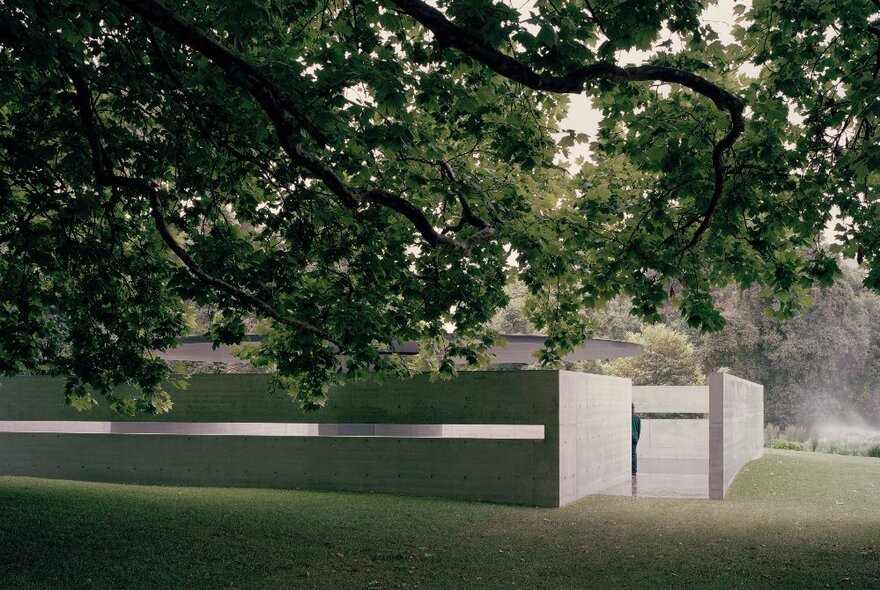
(790, 521)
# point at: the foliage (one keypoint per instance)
(847, 447)
(356, 174)
(200, 367)
(821, 363)
(797, 433)
(786, 445)
(512, 319)
(771, 432)
(668, 359)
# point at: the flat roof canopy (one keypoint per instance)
(519, 349)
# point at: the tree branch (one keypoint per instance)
(104, 176)
(276, 105)
(596, 20)
(239, 295)
(451, 35)
(467, 215)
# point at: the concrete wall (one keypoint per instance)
(594, 434)
(471, 398)
(557, 437)
(533, 437)
(507, 470)
(661, 399)
(736, 428)
(673, 446)
(498, 470)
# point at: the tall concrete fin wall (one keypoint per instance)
(670, 445)
(594, 434)
(736, 428)
(508, 470)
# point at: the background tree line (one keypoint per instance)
(822, 363)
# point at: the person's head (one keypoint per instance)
(634, 408)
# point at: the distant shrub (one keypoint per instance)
(212, 367)
(786, 445)
(814, 443)
(771, 433)
(796, 432)
(845, 449)
(869, 448)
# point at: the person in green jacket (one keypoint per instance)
(636, 432)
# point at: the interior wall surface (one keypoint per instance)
(516, 470)
(674, 446)
(662, 399)
(736, 428)
(594, 434)
(671, 445)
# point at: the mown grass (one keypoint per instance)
(791, 520)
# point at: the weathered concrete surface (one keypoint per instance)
(674, 446)
(584, 419)
(736, 428)
(662, 485)
(362, 439)
(507, 470)
(594, 434)
(661, 399)
(471, 398)
(475, 431)
(517, 471)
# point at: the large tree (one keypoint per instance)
(360, 172)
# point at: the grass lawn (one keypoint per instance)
(791, 520)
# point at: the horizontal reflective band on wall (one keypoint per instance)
(477, 431)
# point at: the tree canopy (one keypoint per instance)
(358, 173)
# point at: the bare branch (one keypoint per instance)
(238, 294)
(467, 215)
(596, 19)
(417, 218)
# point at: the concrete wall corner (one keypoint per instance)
(736, 429)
